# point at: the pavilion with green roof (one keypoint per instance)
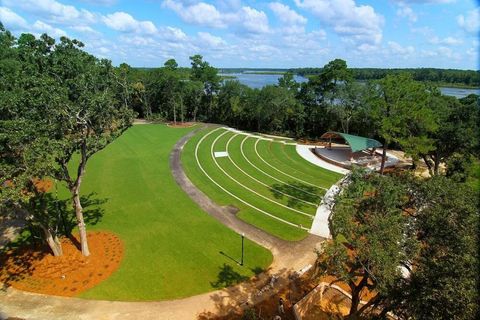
(356, 143)
(348, 150)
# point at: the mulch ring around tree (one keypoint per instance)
(181, 124)
(37, 270)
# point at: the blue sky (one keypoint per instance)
(258, 33)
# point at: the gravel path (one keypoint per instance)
(288, 257)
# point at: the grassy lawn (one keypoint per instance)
(172, 248)
(244, 177)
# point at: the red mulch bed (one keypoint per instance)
(37, 270)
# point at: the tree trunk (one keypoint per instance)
(369, 304)
(356, 290)
(436, 166)
(427, 163)
(147, 111)
(355, 302)
(384, 157)
(52, 242)
(77, 206)
(174, 114)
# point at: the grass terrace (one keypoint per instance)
(271, 185)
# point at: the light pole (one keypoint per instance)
(243, 236)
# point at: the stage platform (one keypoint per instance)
(342, 156)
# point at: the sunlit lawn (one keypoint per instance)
(172, 247)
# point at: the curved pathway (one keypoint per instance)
(288, 257)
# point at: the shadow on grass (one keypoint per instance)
(227, 277)
(92, 212)
(299, 191)
(229, 257)
(257, 270)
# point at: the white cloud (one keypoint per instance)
(209, 40)
(471, 21)
(472, 52)
(311, 43)
(356, 24)
(205, 14)
(427, 1)
(201, 13)
(398, 49)
(172, 34)
(11, 20)
(138, 40)
(103, 50)
(42, 27)
(405, 11)
(123, 22)
(53, 11)
(85, 29)
(254, 21)
(448, 53)
(448, 41)
(444, 53)
(287, 15)
(101, 2)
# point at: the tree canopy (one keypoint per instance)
(61, 101)
(413, 243)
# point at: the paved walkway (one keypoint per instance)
(287, 258)
(305, 152)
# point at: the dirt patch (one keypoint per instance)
(36, 270)
(181, 124)
(231, 209)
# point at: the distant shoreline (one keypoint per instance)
(231, 76)
(452, 78)
(266, 72)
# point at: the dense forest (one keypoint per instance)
(58, 102)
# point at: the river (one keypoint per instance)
(259, 80)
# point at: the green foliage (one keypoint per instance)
(457, 133)
(458, 167)
(171, 64)
(429, 227)
(369, 229)
(402, 114)
(350, 100)
(57, 100)
(444, 284)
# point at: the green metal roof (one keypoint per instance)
(356, 143)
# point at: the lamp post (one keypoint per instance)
(241, 261)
